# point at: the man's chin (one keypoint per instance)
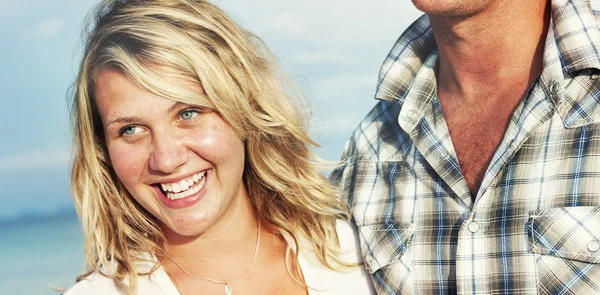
(450, 8)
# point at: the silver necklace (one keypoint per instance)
(228, 289)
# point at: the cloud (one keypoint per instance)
(325, 22)
(48, 28)
(315, 26)
(323, 56)
(7, 6)
(333, 125)
(57, 157)
(293, 25)
(345, 83)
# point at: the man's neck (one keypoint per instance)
(498, 47)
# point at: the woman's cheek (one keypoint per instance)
(209, 143)
(127, 162)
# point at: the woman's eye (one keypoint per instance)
(130, 130)
(188, 114)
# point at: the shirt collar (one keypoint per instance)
(576, 35)
(405, 60)
(572, 63)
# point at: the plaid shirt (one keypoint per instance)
(535, 225)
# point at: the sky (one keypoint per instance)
(333, 49)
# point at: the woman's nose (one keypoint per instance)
(168, 153)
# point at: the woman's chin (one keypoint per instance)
(185, 228)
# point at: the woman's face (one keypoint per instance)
(181, 162)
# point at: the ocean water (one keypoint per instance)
(38, 255)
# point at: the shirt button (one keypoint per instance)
(473, 226)
(554, 88)
(593, 246)
(412, 115)
(445, 156)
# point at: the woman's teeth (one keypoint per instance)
(184, 187)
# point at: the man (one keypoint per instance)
(478, 171)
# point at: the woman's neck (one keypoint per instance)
(226, 246)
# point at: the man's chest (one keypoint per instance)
(538, 208)
(476, 136)
(476, 130)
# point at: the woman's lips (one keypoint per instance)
(185, 198)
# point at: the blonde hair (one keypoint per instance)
(166, 46)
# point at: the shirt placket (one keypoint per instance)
(488, 243)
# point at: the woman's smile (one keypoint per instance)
(183, 193)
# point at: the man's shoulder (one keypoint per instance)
(373, 130)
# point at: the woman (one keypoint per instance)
(193, 172)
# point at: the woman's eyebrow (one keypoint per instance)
(176, 106)
(123, 120)
(131, 119)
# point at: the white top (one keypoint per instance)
(321, 280)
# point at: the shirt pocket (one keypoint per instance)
(566, 243)
(568, 232)
(386, 254)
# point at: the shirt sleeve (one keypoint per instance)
(337, 176)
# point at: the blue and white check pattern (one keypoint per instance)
(535, 225)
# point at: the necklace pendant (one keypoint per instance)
(228, 290)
